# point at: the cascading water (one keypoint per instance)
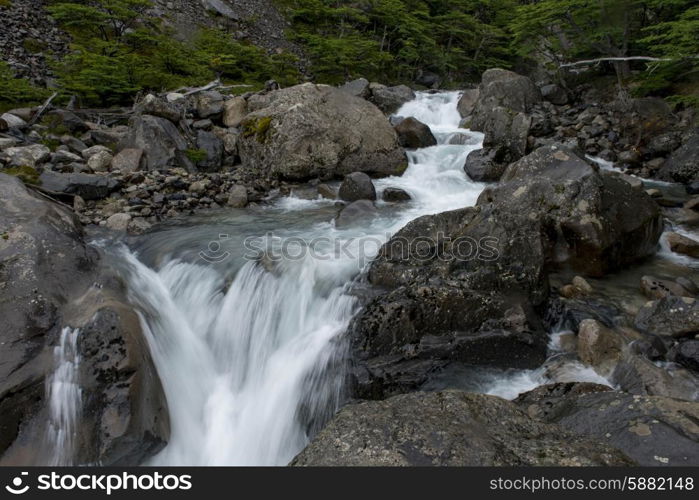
(65, 399)
(249, 354)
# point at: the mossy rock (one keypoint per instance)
(196, 155)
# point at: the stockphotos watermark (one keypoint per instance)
(103, 483)
(275, 248)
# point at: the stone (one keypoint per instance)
(651, 430)
(481, 166)
(637, 375)
(682, 164)
(100, 162)
(87, 153)
(238, 197)
(234, 110)
(12, 121)
(221, 8)
(65, 157)
(449, 428)
(554, 94)
(157, 137)
(599, 346)
(392, 194)
(209, 103)
(152, 105)
(118, 222)
(29, 156)
(327, 192)
(87, 186)
(670, 316)
(656, 288)
(127, 160)
(467, 102)
(683, 244)
(213, 147)
(687, 354)
(355, 212)
(414, 134)
(357, 88)
(390, 99)
(357, 186)
(310, 131)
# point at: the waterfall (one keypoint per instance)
(65, 399)
(250, 355)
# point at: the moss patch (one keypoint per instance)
(26, 174)
(258, 127)
(196, 155)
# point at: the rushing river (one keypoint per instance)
(251, 351)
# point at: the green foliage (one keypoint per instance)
(18, 91)
(5, 3)
(26, 174)
(119, 50)
(258, 127)
(397, 40)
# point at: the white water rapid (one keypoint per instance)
(249, 359)
(65, 399)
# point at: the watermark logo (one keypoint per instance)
(213, 253)
(16, 487)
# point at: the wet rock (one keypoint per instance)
(672, 316)
(238, 197)
(357, 186)
(687, 354)
(414, 134)
(51, 280)
(637, 375)
(467, 102)
(355, 213)
(87, 186)
(157, 137)
(311, 131)
(234, 110)
(656, 288)
(683, 244)
(118, 222)
(390, 99)
(327, 192)
(392, 194)
(651, 430)
(481, 166)
(599, 346)
(447, 428)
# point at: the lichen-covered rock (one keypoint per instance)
(448, 429)
(672, 316)
(157, 137)
(317, 131)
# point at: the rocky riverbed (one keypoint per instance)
(582, 194)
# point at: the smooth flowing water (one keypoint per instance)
(250, 353)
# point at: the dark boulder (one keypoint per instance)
(481, 166)
(414, 134)
(51, 281)
(672, 316)
(392, 194)
(448, 428)
(357, 186)
(554, 94)
(87, 186)
(467, 102)
(687, 354)
(355, 213)
(651, 430)
(210, 144)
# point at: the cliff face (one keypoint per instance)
(29, 37)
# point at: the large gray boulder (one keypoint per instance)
(502, 110)
(157, 137)
(467, 102)
(357, 186)
(448, 428)
(317, 131)
(670, 316)
(651, 430)
(357, 88)
(52, 280)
